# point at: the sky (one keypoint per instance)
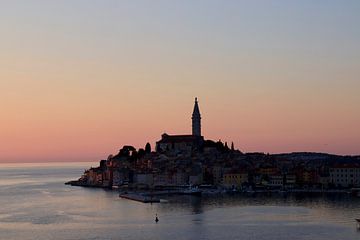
(79, 79)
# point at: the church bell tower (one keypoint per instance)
(196, 120)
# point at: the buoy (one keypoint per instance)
(156, 219)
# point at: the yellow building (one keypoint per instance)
(234, 180)
(268, 171)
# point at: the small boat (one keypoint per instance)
(358, 222)
(192, 191)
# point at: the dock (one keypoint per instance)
(140, 198)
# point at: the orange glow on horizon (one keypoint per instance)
(78, 83)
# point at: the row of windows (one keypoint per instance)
(234, 176)
(344, 181)
(345, 175)
(276, 182)
(346, 170)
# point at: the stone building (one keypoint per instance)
(184, 143)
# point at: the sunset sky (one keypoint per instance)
(79, 78)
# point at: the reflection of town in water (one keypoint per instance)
(37, 204)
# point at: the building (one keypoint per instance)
(144, 178)
(268, 171)
(345, 175)
(196, 179)
(276, 181)
(180, 178)
(217, 172)
(179, 143)
(234, 179)
(183, 143)
(281, 180)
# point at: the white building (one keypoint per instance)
(278, 181)
(345, 176)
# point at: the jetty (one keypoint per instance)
(140, 198)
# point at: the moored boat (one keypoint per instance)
(192, 191)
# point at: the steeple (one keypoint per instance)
(196, 120)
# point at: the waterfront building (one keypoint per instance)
(324, 180)
(160, 179)
(268, 170)
(217, 172)
(345, 175)
(180, 178)
(310, 177)
(95, 176)
(234, 179)
(290, 181)
(144, 178)
(281, 180)
(196, 179)
(276, 181)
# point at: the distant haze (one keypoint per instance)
(79, 79)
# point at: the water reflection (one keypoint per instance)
(37, 205)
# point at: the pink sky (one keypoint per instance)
(78, 83)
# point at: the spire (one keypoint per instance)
(196, 111)
(196, 120)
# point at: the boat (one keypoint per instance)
(358, 222)
(192, 191)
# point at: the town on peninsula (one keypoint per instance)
(181, 162)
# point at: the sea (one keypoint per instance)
(35, 204)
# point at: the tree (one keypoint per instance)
(141, 153)
(134, 156)
(125, 151)
(226, 146)
(148, 148)
(232, 146)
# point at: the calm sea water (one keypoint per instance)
(35, 204)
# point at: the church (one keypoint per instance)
(184, 143)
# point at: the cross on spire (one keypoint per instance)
(196, 120)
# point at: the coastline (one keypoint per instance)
(153, 196)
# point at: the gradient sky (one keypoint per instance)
(79, 78)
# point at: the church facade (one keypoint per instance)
(181, 143)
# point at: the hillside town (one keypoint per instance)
(191, 160)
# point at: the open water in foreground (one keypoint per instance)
(35, 204)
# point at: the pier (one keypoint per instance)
(140, 198)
